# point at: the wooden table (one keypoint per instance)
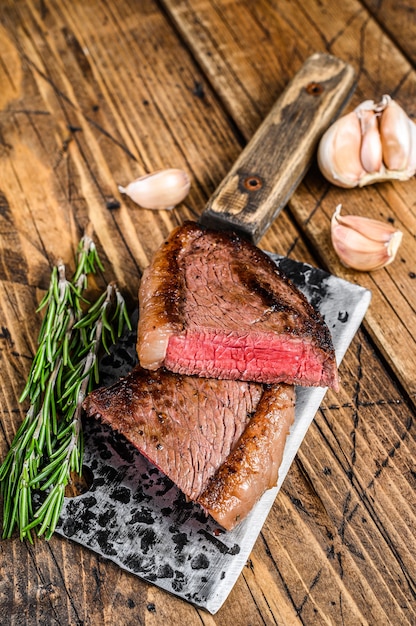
(94, 94)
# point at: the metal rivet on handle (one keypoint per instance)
(253, 183)
(314, 89)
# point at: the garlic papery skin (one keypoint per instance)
(363, 243)
(374, 143)
(163, 189)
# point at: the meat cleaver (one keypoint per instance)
(132, 514)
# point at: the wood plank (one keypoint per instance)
(398, 19)
(232, 33)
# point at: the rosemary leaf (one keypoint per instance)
(49, 444)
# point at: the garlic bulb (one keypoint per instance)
(162, 189)
(362, 243)
(375, 142)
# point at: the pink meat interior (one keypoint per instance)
(248, 357)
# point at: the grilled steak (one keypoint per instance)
(214, 305)
(191, 428)
(185, 425)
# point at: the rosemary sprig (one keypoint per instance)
(48, 446)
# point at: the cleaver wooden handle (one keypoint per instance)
(275, 160)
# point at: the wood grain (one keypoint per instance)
(94, 94)
(398, 19)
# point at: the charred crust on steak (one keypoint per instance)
(172, 291)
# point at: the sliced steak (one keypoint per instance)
(214, 305)
(220, 441)
(184, 425)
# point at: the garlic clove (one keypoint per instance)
(339, 152)
(372, 229)
(385, 139)
(354, 251)
(162, 189)
(363, 243)
(395, 136)
(371, 152)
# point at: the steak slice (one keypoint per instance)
(220, 441)
(253, 465)
(185, 425)
(214, 305)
